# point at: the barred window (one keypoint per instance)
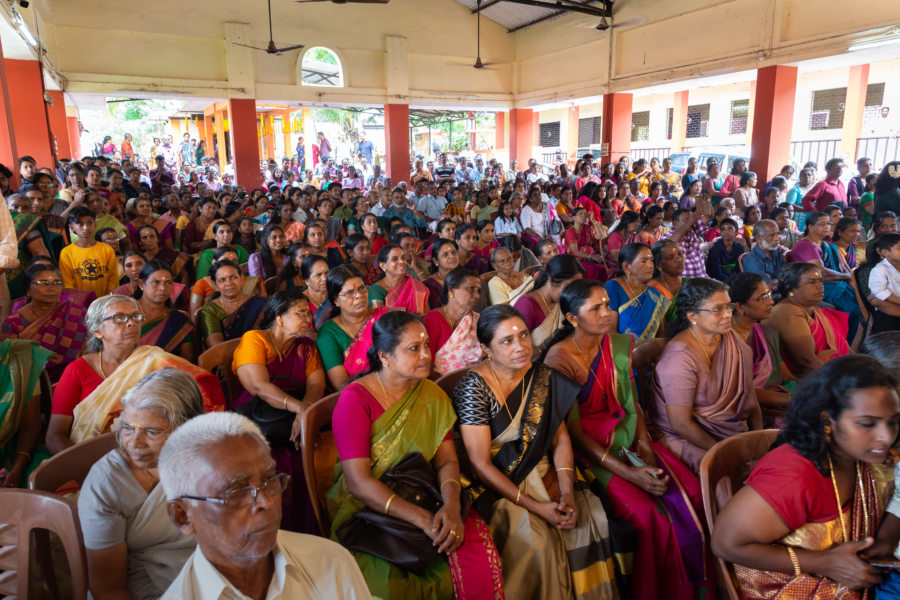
(698, 121)
(589, 131)
(739, 111)
(827, 111)
(640, 126)
(549, 133)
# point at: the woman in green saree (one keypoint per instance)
(382, 418)
(32, 238)
(21, 363)
(552, 532)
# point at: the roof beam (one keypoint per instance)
(561, 6)
(604, 12)
(487, 4)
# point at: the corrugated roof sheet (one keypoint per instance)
(509, 14)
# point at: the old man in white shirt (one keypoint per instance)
(222, 487)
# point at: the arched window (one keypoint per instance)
(321, 67)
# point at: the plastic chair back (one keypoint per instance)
(72, 464)
(722, 473)
(644, 359)
(217, 360)
(320, 455)
(27, 512)
(448, 381)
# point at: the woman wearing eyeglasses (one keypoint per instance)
(54, 322)
(133, 549)
(88, 397)
(752, 304)
(344, 339)
(703, 384)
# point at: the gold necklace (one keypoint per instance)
(500, 387)
(545, 306)
(449, 318)
(100, 365)
(840, 506)
(702, 348)
(383, 391)
(150, 482)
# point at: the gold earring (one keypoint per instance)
(828, 433)
(790, 294)
(574, 324)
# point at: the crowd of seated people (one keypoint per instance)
(550, 468)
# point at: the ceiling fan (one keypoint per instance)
(345, 1)
(271, 48)
(478, 64)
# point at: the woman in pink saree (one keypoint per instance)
(703, 388)
(451, 328)
(397, 289)
(344, 339)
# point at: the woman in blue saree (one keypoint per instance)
(639, 308)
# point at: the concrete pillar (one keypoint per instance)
(220, 138)
(521, 135)
(9, 155)
(854, 111)
(269, 137)
(572, 134)
(396, 141)
(679, 121)
(58, 126)
(499, 130)
(616, 126)
(770, 149)
(75, 137)
(309, 138)
(175, 124)
(244, 149)
(209, 133)
(26, 99)
(286, 123)
(260, 128)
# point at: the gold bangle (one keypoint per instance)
(605, 454)
(446, 481)
(518, 495)
(794, 561)
(28, 456)
(284, 405)
(387, 505)
(565, 469)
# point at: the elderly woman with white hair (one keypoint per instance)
(133, 549)
(224, 491)
(87, 398)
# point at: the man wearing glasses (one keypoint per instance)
(222, 488)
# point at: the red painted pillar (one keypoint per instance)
(58, 126)
(244, 148)
(396, 141)
(499, 130)
(9, 155)
(27, 103)
(521, 135)
(74, 137)
(773, 116)
(616, 126)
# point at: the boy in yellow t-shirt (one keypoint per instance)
(87, 264)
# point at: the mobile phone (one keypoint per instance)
(885, 562)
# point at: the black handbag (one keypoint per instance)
(392, 539)
(275, 423)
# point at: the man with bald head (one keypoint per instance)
(222, 487)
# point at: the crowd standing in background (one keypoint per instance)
(545, 470)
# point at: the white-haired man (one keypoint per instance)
(222, 487)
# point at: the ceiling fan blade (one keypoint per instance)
(287, 48)
(248, 46)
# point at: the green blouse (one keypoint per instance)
(377, 294)
(206, 259)
(332, 341)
